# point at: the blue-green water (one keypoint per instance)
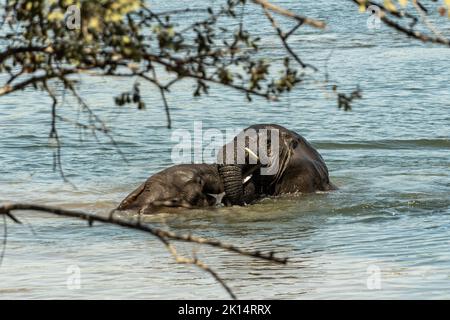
(390, 157)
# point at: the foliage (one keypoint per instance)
(126, 38)
(57, 39)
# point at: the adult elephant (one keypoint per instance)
(268, 159)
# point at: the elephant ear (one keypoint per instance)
(284, 157)
(129, 201)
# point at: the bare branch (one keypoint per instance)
(92, 114)
(33, 80)
(162, 235)
(187, 74)
(54, 135)
(196, 262)
(414, 34)
(283, 37)
(410, 32)
(423, 14)
(305, 20)
(7, 208)
(163, 96)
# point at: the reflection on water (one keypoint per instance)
(389, 156)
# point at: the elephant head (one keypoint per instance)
(261, 151)
(179, 186)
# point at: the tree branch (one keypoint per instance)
(13, 51)
(162, 235)
(305, 20)
(283, 37)
(410, 32)
(159, 233)
(201, 265)
(54, 135)
(35, 79)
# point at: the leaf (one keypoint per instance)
(390, 6)
(447, 4)
(94, 23)
(55, 16)
(362, 7)
(403, 3)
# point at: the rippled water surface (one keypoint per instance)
(390, 157)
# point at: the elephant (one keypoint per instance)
(183, 185)
(262, 160)
(180, 186)
(270, 160)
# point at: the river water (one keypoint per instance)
(384, 234)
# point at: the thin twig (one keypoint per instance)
(196, 262)
(419, 8)
(54, 135)
(164, 99)
(287, 13)
(92, 114)
(410, 32)
(159, 233)
(283, 37)
(36, 79)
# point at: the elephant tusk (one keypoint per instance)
(247, 179)
(217, 196)
(250, 152)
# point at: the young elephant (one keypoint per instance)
(181, 186)
(184, 185)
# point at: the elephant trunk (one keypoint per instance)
(232, 181)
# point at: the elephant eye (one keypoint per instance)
(294, 144)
